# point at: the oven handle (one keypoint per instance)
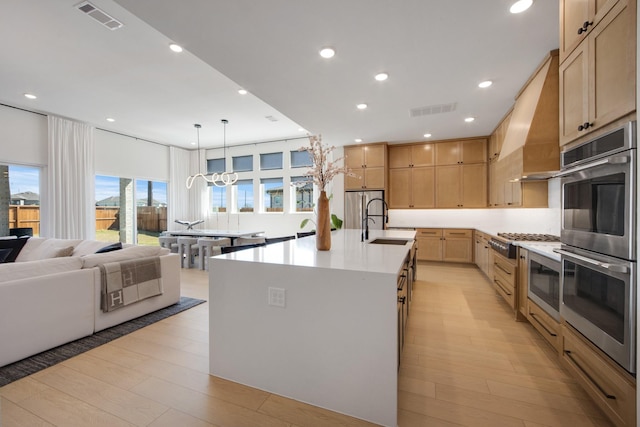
(615, 268)
(614, 160)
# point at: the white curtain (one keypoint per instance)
(186, 204)
(68, 208)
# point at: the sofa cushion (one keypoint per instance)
(28, 269)
(62, 252)
(15, 245)
(38, 248)
(110, 248)
(87, 247)
(132, 252)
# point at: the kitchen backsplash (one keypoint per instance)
(516, 220)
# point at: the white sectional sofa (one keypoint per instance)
(48, 299)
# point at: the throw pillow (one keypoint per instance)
(113, 247)
(62, 252)
(4, 254)
(15, 245)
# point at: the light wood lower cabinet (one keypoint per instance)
(481, 252)
(611, 387)
(448, 244)
(504, 278)
(546, 325)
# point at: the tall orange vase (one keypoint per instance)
(323, 223)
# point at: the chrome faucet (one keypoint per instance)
(367, 217)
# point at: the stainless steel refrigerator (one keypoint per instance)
(355, 204)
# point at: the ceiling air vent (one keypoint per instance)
(99, 15)
(433, 109)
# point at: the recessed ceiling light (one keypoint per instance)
(30, 96)
(327, 52)
(520, 6)
(358, 140)
(362, 106)
(427, 135)
(469, 119)
(242, 91)
(382, 77)
(193, 143)
(111, 119)
(175, 47)
(485, 84)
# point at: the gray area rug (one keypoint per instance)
(33, 364)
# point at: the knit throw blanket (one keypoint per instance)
(127, 282)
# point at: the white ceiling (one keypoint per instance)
(436, 52)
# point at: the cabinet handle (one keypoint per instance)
(534, 317)
(585, 126)
(458, 233)
(500, 267)
(584, 27)
(575, 362)
(502, 287)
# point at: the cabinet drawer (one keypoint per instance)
(610, 387)
(546, 325)
(505, 289)
(501, 265)
(429, 232)
(452, 232)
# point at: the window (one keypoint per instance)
(270, 161)
(20, 199)
(301, 159)
(243, 163)
(244, 195)
(272, 194)
(151, 211)
(218, 198)
(303, 193)
(130, 211)
(108, 201)
(216, 166)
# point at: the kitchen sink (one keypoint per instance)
(380, 241)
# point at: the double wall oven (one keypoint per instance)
(598, 235)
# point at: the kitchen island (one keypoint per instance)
(318, 327)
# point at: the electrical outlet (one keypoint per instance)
(276, 297)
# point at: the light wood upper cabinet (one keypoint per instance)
(412, 188)
(578, 18)
(368, 163)
(497, 138)
(407, 156)
(461, 186)
(461, 152)
(597, 79)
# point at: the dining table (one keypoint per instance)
(231, 234)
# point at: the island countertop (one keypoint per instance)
(347, 252)
(320, 327)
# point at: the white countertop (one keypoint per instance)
(347, 252)
(542, 248)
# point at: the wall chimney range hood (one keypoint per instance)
(531, 143)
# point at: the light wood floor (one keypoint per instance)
(465, 363)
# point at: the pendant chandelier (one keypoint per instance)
(225, 178)
(218, 179)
